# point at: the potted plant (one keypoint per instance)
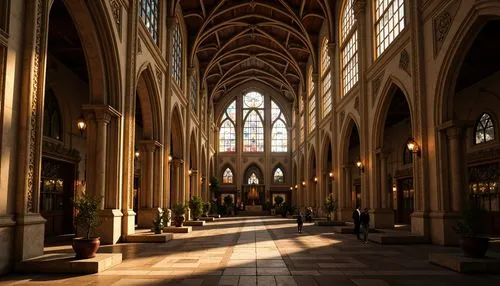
(472, 228)
(179, 211)
(196, 206)
(215, 188)
(228, 202)
(87, 217)
(160, 220)
(330, 207)
(206, 208)
(278, 200)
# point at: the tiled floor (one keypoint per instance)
(265, 251)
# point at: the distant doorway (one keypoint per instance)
(57, 191)
(404, 200)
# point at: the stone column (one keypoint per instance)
(345, 208)
(176, 166)
(383, 180)
(382, 216)
(146, 211)
(456, 151)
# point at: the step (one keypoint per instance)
(182, 229)
(194, 223)
(329, 223)
(208, 219)
(65, 263)
(397, 238)
(149, 237)
(253, 213)
(490, 264)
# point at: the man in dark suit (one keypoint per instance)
(355, 217)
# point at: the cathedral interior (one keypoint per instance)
(256, 108)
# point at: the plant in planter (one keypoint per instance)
(330, 207)
(179, 211)
(214, 208)
(87, 217)
(215, 188)
(228, 202)
(161, 218)
(206, 208)
(196, 206)
(472, 228)
(286, 209)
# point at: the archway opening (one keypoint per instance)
(476, 101)
(396, 160)
(312, 188)
(353, 168)
(193, 168)
(64, 151)
(176, 159)
(253, 187)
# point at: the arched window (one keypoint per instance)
(326, 78)
(193, 91)
(279, 133)
(227, 133)
(484, 130)
(177, 55)
(52, 125)
(302, 124)
(278, 176)
(389, 22)
(149, 13)
(253, 179)
(312, 103)
(227, 177)
(349, 48)
(407, 156)
(253, 128)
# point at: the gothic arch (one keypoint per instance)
(147, 92)
(177, 137)
(345, 134)
(253, 168)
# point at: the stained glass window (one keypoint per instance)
(253, 132)
(389, 22)
(279, 132)
(253, 118)
(326, 78)
(193, 94)
(227, 132)
(302, 123)
(149, 14)
(177, 55)
(312, 112)
(253, 179)
(279, 178)
(485, 130)
(227, 177)
(349, 48)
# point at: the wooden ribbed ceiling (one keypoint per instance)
(267, 41)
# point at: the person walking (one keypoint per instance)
(300, 222)
(364, 218)
(356, 219)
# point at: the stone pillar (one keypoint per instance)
(193, 179)
(145, 213)
(383, 180)
(382, 216)
(345, 208)
(457, 171)
(176, 166)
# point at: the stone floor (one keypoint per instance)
(265, 251)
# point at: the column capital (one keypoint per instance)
(191, 71)
(100, 112)
(315, 78)
(149, 145)
(176, 162)
(359, 7)
(331, 50)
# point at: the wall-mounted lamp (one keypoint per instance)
(394, 188)
(190, 172)
(413, 147)
(170, 158)
(291, 188)
(137, 154)
(296, 186)
(304, 183)
(315, 179)
(360, 166)
(81, 124)
(330, 175)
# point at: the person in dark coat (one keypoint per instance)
(355, 218)
(364, 218)
(300, 222)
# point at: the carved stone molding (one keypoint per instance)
(342, 116)
(442, 24)
(139, 47)
(484, 155)
(401, 173)
(58, 150)
(159, 75)
(376, 84)
(404, 61)
(116, 10)
(356, 103)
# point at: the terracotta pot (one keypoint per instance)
(86, 248)
(178, 220)
(474, 246)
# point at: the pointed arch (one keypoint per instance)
(177, 134)
(149, 97)
(278, 174)
(253, 173)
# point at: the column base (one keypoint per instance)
(345, 214)
(420, 223)
(128, 223)
(382, 218)
(29, 236)
(145, 217)
(441, 228)
(111, 229)
(7, 232)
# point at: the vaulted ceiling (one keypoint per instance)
(266, 41)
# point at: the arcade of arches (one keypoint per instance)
(143, 102)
